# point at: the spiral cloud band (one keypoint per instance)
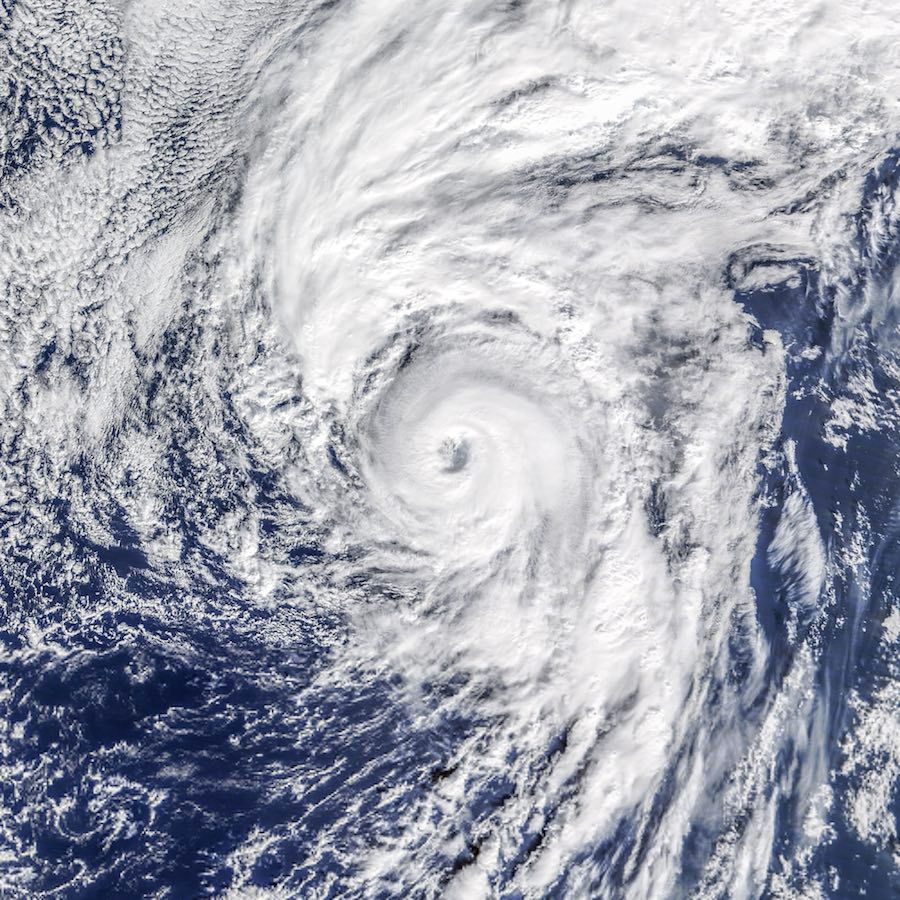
(449, 449)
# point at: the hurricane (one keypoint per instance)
(449, 449)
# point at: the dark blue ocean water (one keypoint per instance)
(144, 746)
(857, 482)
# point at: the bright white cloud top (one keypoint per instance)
(449, 449)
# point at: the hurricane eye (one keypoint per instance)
(455, 454)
